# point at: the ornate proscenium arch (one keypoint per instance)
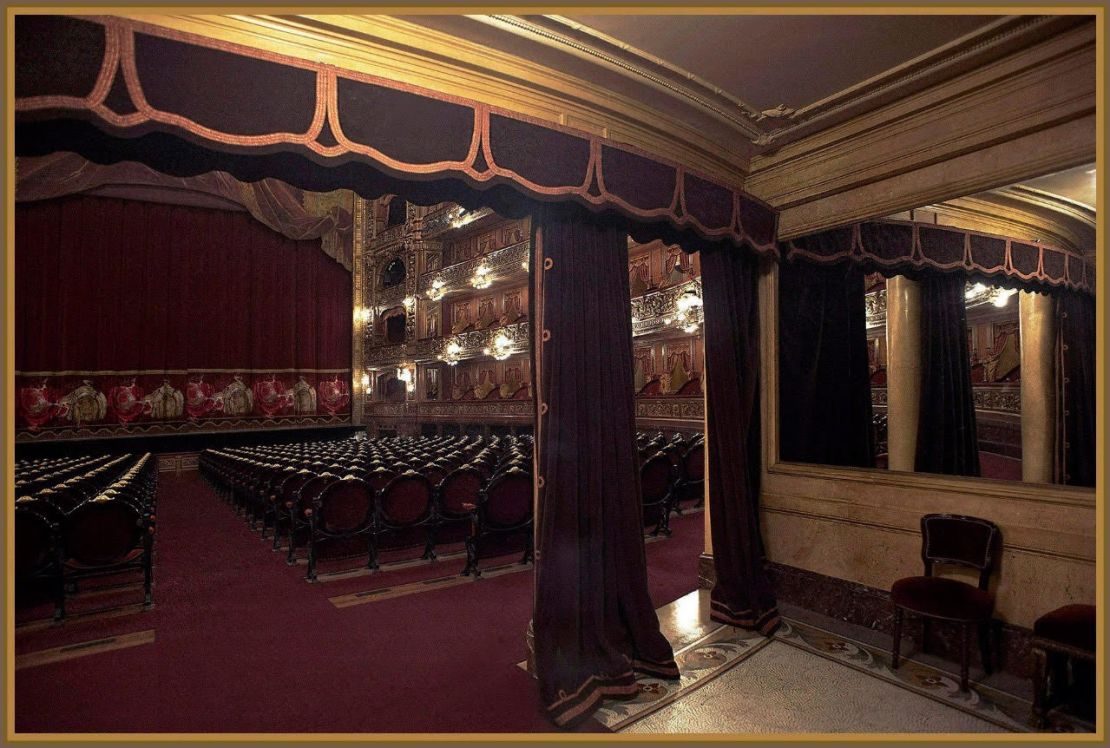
(118, 89)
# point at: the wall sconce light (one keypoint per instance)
(501, 349)
(451, 353)
(404, 374)
(435, 293)
(481, 277)
(362, 314)
(524, 264)
(365, 382)
(408, 301)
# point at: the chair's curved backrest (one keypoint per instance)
(460, 486)
(291, 486)
(312, 488)
(434, 473)
(345, 506)
(101, 532)
(406, 500)
(693, 463)
(379, 477)
(961, 540)
(33, 539)
(508, 501)
(655, 479)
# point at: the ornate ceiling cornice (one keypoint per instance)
(782, 123)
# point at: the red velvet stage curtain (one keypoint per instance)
(824, 385)
(1075, 384)
(947, 438)
(742, 595)
(594, 621)
(108, 290)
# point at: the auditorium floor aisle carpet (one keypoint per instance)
(239, 642)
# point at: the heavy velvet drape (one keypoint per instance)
(947, 439)
(824, 379)
(594, 621)
(138, 295)
(1075, 385)
(742, 595)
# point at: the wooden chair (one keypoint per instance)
(1067, 633)
(957, 540)
(505, 507)
(657, 492)
(343, 509)
(106, 536)
(405, 504)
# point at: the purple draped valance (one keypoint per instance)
(130, 79)
(902, 247)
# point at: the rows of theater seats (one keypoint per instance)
(672, 472)
(83, 517)
(392, 492)
(419, 491)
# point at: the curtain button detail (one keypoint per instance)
(540, 481)
(543, 409)
(546, 336)
(548, 263)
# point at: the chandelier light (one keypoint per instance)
(451, 353)
(481, 277)
(435, 293)
(501, 349)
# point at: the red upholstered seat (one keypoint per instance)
(1073, 625)
(939, 597)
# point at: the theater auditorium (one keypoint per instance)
(722, 374)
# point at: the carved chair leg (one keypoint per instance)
(471, 558)
(311, 574)
(1040, 687)
(895, 650)
(291, 556)
(965, 654)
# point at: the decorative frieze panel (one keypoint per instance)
(501, 262)
(675, 408)
(516, 409)
(471, 344)
(998, 399)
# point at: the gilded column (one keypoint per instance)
(1038, 386)
(903, 370)
(358, 295)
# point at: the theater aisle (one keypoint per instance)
(241, 643)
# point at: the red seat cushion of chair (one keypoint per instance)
(1073, 625)
(942, 598)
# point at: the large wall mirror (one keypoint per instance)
(957, 339)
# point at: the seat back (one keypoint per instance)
(101, 532)
(693, 463)
(345, 507)
(508, 500)
(379, 477)
(655, 479)
(961, 540)
(405, 501)
(310, 492)
(460, 486)
(34, 540)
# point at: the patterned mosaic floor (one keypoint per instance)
(806, 679)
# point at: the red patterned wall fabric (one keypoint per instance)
(137, 317)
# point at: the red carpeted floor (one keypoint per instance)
(244, 644)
